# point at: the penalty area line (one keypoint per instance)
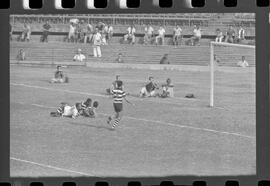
(168, 124)
(50, 167)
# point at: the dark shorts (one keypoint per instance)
(118, 107)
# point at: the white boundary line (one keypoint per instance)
(166, 123)
(106, 96)
(51, 167)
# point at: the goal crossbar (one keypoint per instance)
(212, 44)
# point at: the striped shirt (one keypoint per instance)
(118, 95)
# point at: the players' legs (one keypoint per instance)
(98, 51)
(143, 92)
(95, 51)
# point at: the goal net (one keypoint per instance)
(229, 57)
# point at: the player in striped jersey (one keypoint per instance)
(118, 96)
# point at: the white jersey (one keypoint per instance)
(79, 57)
(242, 64)
(72, 29)
(97, 39)
(177, 31)
(70, 111)
(131, 30)
(161, 32)
(241, 34)
(110, 29)
(150, 30)
(197, 32)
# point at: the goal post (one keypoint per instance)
(231, 54)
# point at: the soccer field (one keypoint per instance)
(156, 137)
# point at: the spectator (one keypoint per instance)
(130, 34)
(71, 33)
(78, 33)
(197, 34)
(241, 34)
(26, 32)
(21, 55)
(177, 35)
(110, 33)
(119, 59)
(79, 56)
(230, 35)
(220, 36)
(97, 42)
(148, 34)
(160, 36)
(243, 63)
(89, 33)
(104, 33)
(164, 59)
(83, 31)
(46, 31)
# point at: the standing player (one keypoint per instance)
(114, 85)
(118, 96)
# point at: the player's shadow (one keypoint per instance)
(89, 125)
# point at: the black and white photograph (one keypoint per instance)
(132, 95)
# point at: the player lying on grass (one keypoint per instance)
(167, 89)
(87, 110)
(118, 96)
(59, 76)
(149, 89)
(66, 110)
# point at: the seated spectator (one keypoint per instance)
(21, 55)
(230, 35)
(197, 34)
(46, 30)
(149, 89)
(160, 36)
(164, 59)
(79, 56)
(219, 36)
(26, 32)
(167, 89)
(130, 34)
(243, 62)
(148, 34)
(177, 35)
(119, 58)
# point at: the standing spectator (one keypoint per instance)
(130, 34)
(164, 59)
(21, 55)
(97, 42)
(241, 34)
(79, 56)
(177, 35)
(230, 35)
(161, 35)
(26, 32)
(110, 33)
(46, 30)
(197, 34)
(78, 33)
(219, 36)
(243, 63)
(71, 33)
(104, 34)
(10, 32)
(119, 59)
(148, 34)
(89, 33)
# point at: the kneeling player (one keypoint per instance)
(167, 89)
(59, 76)
(67, 111)
(118, 95)
(149, 89)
